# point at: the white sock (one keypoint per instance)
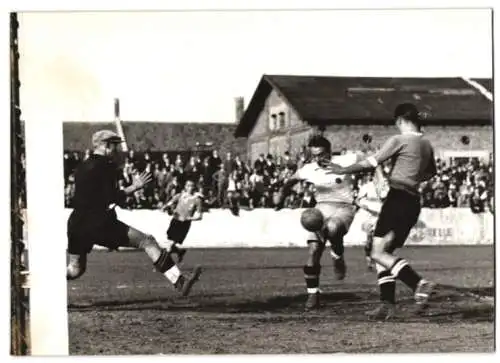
(173, 274)
(334, 255)
(379, 268)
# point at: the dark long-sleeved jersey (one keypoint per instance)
(96, 185)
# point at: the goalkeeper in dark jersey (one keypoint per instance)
(94, 220)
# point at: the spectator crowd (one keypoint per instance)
(228, 182)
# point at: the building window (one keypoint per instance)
(465, 140)
(273, 122)
(367, 138)
(282, 121)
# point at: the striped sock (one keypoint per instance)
(311, 275)
(403, 271)
(387, 285)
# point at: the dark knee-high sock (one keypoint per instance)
(387, 284)
(166, 265)
(174, 248)
(403, 271)
(311, 275)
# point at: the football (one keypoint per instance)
(312, 220)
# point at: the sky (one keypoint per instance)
(189, 66)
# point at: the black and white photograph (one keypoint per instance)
(235, 182)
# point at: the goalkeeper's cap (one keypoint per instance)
(320, 141)
(104, 136)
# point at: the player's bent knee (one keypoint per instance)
(315, 250)
(147, 241)
(314, 245)
(334, 228)
(382, 245)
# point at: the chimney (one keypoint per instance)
(239, 105)
(117, 108)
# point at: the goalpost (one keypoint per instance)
(46, 225)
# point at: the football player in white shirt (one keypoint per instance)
(335, 200)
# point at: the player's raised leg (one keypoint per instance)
(162, 260)
(334, 232)
(338, 219)
(112, 233)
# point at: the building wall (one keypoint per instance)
(296, 133)
(278, 145)
(277, 140)
(257, 148)
(443, 138)
(261, 128)
(299, 139)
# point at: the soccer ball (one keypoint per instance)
(312, 220)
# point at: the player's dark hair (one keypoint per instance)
(320, 141)
(409, 112)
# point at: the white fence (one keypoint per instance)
(268, 228)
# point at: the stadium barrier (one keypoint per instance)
(268, 228)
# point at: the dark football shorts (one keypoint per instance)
(399, 214)
(86, 229)
(178, 230)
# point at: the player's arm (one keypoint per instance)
(388, 150)
(367, 208)
(286, 189)
(362, 198)
(137, 184)
(380, 182)
(290, 183)
(171, 202)
(198, 213)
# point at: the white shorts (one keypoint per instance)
(342, 212)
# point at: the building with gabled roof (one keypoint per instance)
(285, 109)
